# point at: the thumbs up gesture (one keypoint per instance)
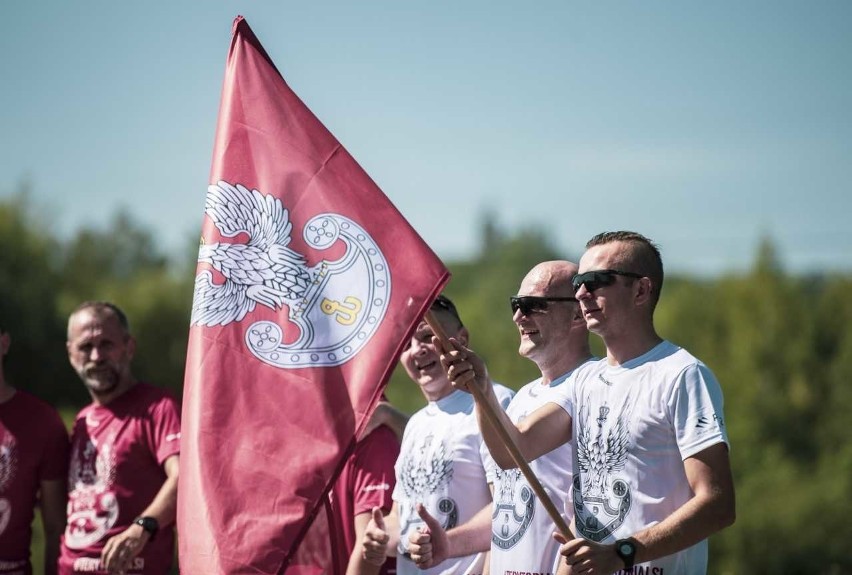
(374, 546)
(428, 546)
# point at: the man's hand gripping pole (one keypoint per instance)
(514, 452)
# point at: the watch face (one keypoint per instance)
(625, 548)
(148, 523)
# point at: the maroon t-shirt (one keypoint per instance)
(367, 481)
(116, 470)
(33, 448)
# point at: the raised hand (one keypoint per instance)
(374, 546)
(464, 368)
(428, 546)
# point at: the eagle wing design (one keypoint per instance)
(236, 209)
(616, 446)
(263, 270)
(424, 475)
(223, 303)
(584, 449)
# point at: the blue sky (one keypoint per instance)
(705, 126)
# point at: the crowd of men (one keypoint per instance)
(631, 448)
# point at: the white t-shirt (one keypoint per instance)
(440, 466)
(521, 529)
(634, 425)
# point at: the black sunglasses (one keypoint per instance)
(529, 304)
(599, 278)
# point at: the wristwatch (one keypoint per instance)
(149, 524)
(626, 550)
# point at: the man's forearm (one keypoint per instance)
(711, 509)
(163, 507)
(485, 403)
(542, 431)
(693, 522)
(53, 499)
(471, 537)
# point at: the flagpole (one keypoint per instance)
(505, 438)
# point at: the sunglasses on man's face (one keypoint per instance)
(529, 304)
(599, 278)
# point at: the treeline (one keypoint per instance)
(780, 345)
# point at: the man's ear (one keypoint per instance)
(131, 346)
(643, 291)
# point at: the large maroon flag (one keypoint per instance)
(308, 283)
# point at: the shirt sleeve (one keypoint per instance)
(563, 396)
(696, 410)
(54, 464)
(373, 471)
(165, 429)
(488, 463)
(504, 395)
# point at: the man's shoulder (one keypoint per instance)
(584, 372)
(145, 401)
(418, 417)
(151, 395)
(674, 358)
(35, 415)
(382, 435)
(34, 405)
(381, 444)
(504, 394)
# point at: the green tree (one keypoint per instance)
(29, 277)
(780, 345)
(122, 264)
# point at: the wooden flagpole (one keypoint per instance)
(514, 452)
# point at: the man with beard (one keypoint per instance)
(33, 466)
(124, 455)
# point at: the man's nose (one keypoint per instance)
(420, 347)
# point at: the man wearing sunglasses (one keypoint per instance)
(517, 528)
(652, 477)
(440, 467)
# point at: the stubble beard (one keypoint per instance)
(101, 381)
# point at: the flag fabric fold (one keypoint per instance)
(308, 283)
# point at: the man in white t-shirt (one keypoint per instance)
(440, 468)
(652, 476)
(517, 528)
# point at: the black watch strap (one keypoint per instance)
(626, 550)
(149, 524)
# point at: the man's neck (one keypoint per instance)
(439, 395)
(107, 398)
(623, 349)
(566, 362)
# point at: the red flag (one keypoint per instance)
(308, 283)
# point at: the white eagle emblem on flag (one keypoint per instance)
(337, 305)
